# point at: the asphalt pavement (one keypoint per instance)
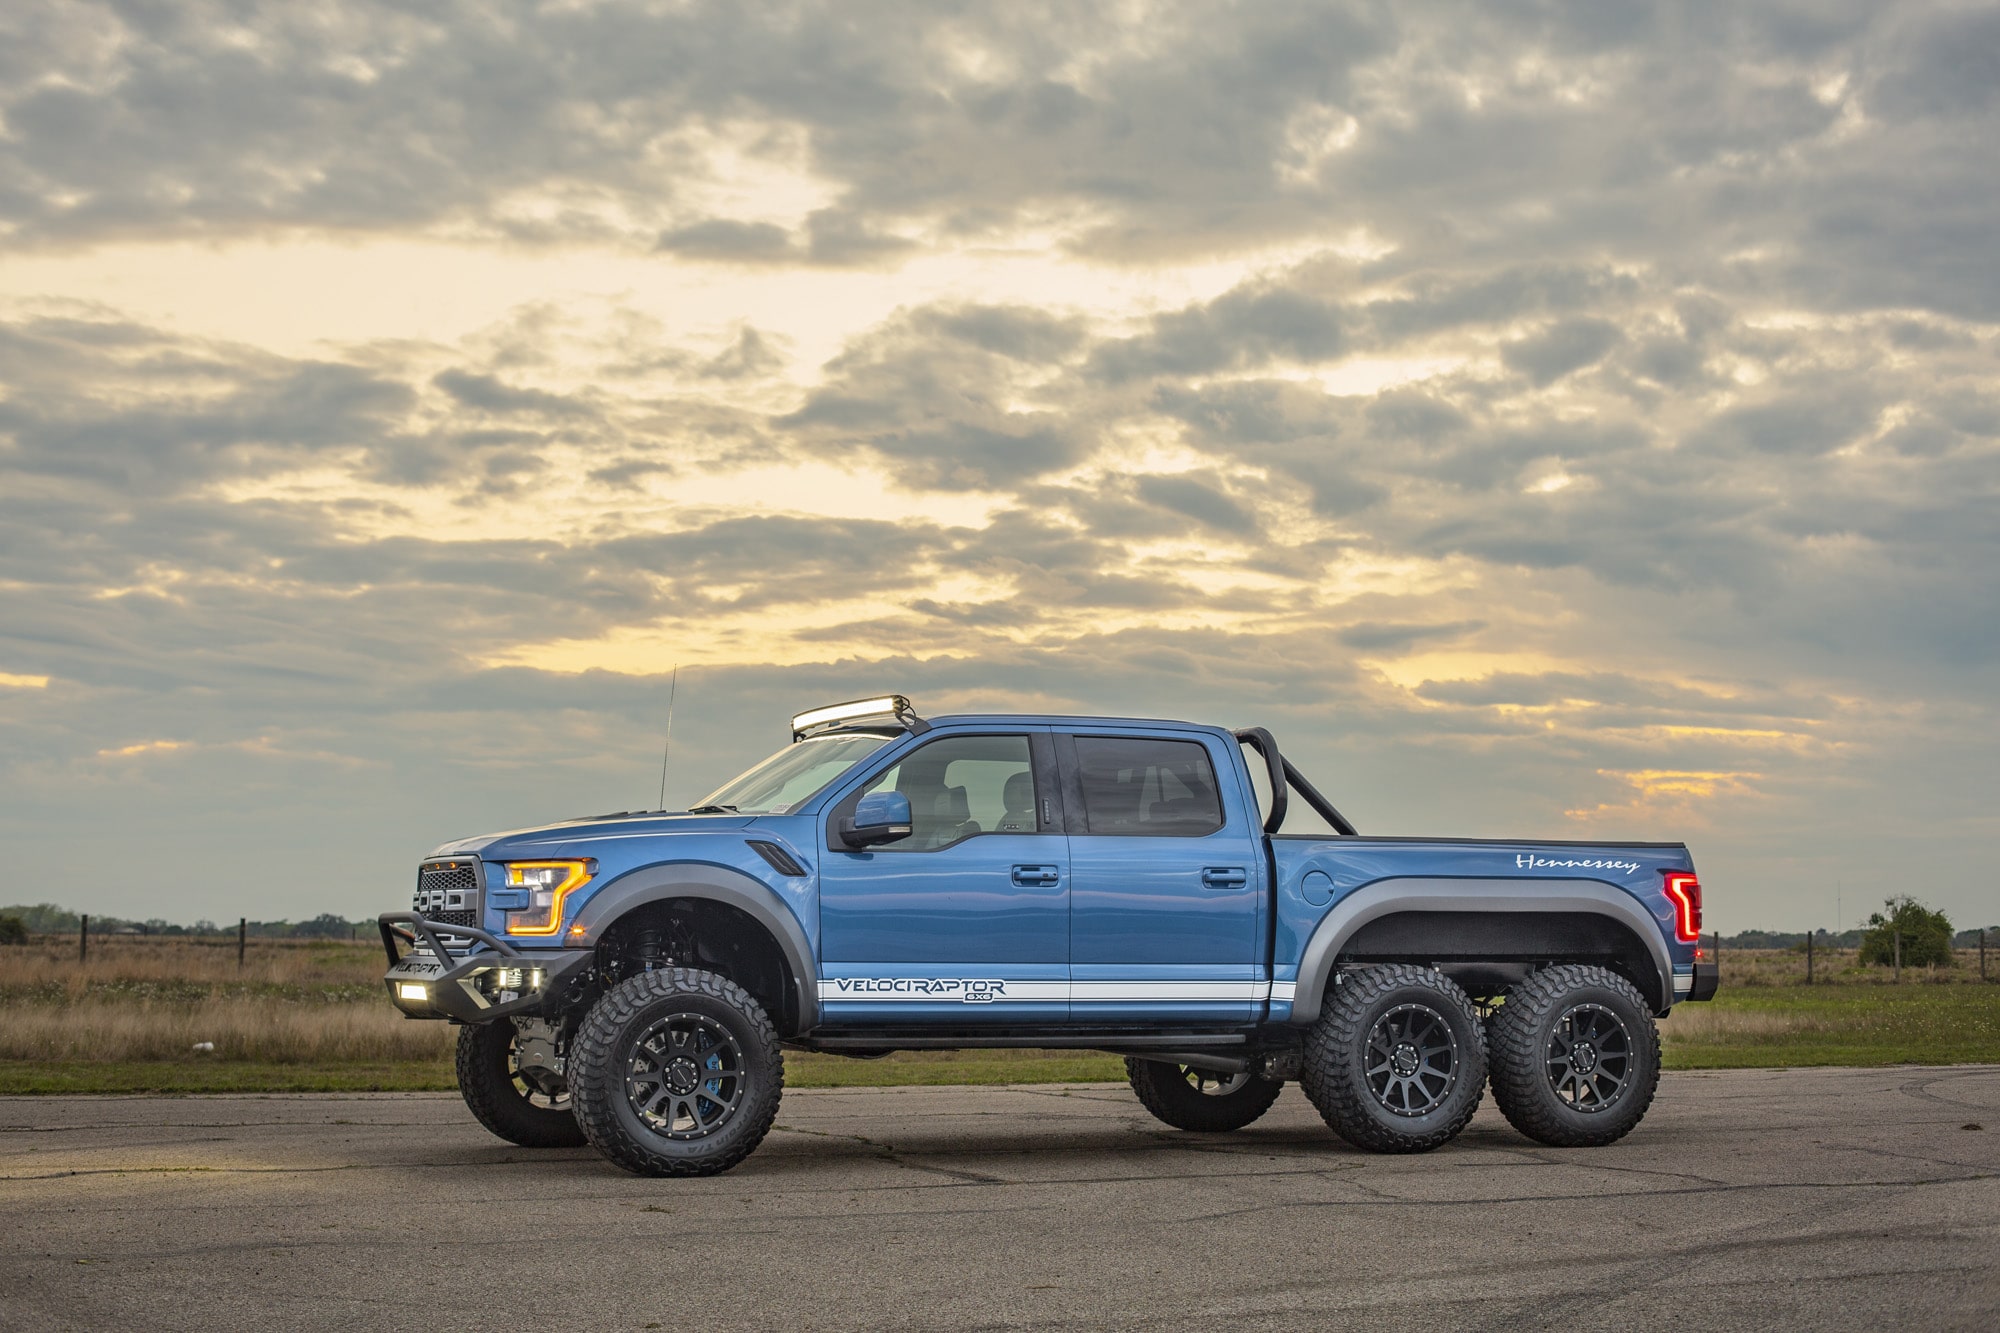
(1748, 1199)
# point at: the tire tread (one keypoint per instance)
(594, 1081)
(1162, 1090)
(1339, 1097)
(1519, 1080)
(495, 1103)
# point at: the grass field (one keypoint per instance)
(304, 1016)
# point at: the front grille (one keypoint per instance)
(448, 893)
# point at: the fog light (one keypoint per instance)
(410, 990)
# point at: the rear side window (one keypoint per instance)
(1148, 788)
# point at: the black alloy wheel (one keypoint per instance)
(1575, 1056)
(1589, 1059)
(1201, 1100)
(1397, 1060)
(686, 1077)
(1413, 1059)
(676, 1072)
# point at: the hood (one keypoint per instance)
(546, 839)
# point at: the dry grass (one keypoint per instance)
(124, 963)
(310, 1014)
(1746, 968)
(241, 1027)
(295, 1002)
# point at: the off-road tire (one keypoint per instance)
(601, 1061)
(499, 1100)
(1168, 1090)
(1525, 1074)
(1336, 1071)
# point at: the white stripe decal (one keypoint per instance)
(1284, 992)
(952, 990)
(1683, 983)
(1125, 991)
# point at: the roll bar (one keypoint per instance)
(1284, 775)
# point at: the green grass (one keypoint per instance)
(197, 1075)
(1842, 1024)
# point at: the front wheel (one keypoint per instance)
(1200, 1099)
(1397, 1061)
(1576, 1057)
(676, 1072)
(506, 1099)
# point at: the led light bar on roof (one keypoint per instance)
(890, 707)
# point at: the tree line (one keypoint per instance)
(49, 919)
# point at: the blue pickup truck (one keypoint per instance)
(888, 883)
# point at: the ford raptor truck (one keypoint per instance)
(888, 883)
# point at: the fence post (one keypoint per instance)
(242, 938)
(83, 938)
(1809, 943)
(1982, 953)
(1899, 955)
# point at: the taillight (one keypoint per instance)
(1684, 892)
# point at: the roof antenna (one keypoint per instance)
(673, 685)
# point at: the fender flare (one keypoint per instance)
(692, 879)
(1389, 896)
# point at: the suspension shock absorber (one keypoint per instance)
(663, 942)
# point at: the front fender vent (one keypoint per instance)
(778, 858)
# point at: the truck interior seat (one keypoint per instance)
(1018, 796)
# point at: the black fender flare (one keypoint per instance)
(1389, 896)
(693, 879)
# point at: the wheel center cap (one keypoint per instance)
(1404, 1060)
(683, 1075)
(1584, 1057)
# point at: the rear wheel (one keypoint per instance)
(1576, 1057)
(527, 1108)
(1397, 1061)
(1200, 1099)
(676, 1072)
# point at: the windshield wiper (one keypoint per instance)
(711, 809)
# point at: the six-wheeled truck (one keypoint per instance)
(888, 883)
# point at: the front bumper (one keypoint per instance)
(452, 984)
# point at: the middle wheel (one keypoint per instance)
(1397, 1060)
(1200, 1099)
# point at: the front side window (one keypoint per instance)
(794, 774)
(963, 785)
(1148, 788)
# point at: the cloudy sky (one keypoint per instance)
(1553, 420)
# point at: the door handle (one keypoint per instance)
(1225, 877)
(1037, 875)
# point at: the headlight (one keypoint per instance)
(548, 883)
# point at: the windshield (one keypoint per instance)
(794, 774)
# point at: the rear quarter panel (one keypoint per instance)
(1315, 875)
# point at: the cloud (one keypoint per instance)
(1198, 500)
(1561, 349)
(1546, 415)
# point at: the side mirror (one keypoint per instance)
(882, 816)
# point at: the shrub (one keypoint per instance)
(13, 930)
(1926, 935)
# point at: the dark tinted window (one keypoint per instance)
(1159, 789)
